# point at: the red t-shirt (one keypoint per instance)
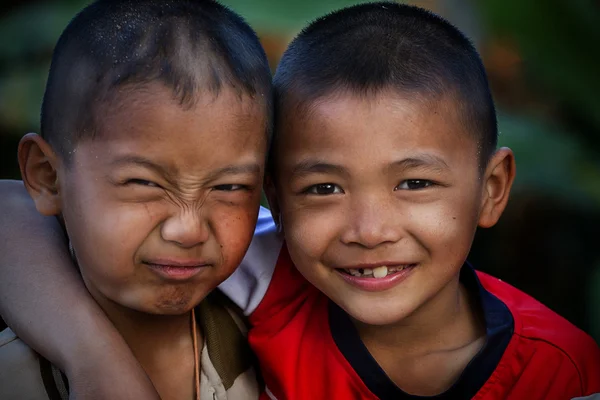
(309, 349)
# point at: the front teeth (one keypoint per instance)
(379, 272)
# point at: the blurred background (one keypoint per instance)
(541, 57)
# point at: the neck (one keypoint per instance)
(146, 334)
(164, 347)
(448, 321)
(162, 344)
(153, 339)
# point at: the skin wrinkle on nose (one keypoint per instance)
(180, 201)
(188, 208)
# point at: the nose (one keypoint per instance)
(186, 228)
(371, 222)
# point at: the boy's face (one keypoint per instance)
(161, 206)
(366, 183)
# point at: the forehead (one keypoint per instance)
(151, 121)
(377, 125)
(154, 103)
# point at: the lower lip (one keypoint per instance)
(174, 272)
(377, 284)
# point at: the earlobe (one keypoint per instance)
(39, 165)
(498, 180)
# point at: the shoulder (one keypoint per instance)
(547, 335)
(20, 375)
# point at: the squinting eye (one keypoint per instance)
(324, 189)
(230, 187)
(141, 182)
(413, 184)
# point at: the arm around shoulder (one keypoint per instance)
(45, 302)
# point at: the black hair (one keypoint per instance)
(370, 47)
(190, 46)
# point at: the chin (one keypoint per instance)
(164, 305)
(376, 314)
(376, 320)
(174, 307)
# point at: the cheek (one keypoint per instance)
(108, 234)
(233, 229)
(446, 228)
(309, 233)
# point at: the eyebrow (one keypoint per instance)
(239, 169)
(248, 168)
(143, 162)
(427, 161)
(306, 167)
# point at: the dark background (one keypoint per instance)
(542, 60)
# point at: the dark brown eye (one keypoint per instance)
(324, 189)
(414, 184)
(230, 187)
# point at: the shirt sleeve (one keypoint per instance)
(248, 285)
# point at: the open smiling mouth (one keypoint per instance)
(377, 279)
(378, 272)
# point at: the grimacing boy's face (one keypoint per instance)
(160, 207)
(380, 198)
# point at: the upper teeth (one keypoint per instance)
(378, 272)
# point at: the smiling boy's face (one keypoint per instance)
(380, 198)
(160, 207)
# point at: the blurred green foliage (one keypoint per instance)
(559, 41)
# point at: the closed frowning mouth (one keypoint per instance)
(176, 269)
(178, 263)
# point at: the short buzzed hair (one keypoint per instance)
(190, 46)
(371, 47)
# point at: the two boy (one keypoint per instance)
(384, 163)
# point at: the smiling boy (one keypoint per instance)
(383, 167)
(140, 96)
(384, 164)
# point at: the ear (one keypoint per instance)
(39, 165)
(497, 182)
(271, 195)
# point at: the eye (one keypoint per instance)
(230, 187)
(141, 182)
(324, 189)
(414, 184)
